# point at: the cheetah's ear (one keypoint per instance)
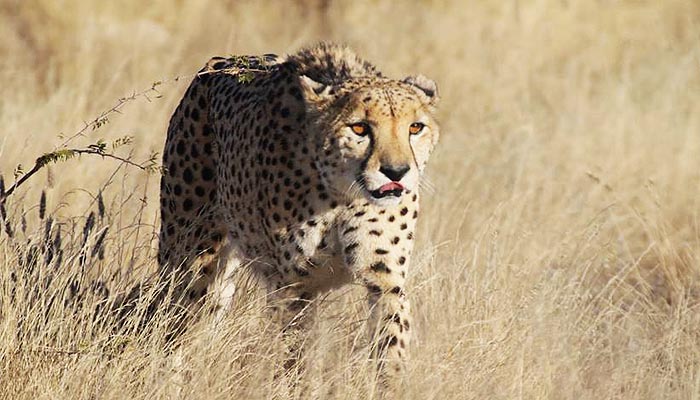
(315, 93)
(426, 86)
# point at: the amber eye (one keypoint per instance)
(416, 128)
(360, 128)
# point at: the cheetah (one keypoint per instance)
(306, 169)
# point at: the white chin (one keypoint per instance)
(385, 201)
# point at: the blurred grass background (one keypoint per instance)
(557, 258)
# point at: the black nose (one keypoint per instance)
(394, 172)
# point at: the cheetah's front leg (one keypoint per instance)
(389, 321)
(293, 310)
(377, 245)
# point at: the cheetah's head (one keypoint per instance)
(373, 136)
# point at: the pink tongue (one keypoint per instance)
(390, 186)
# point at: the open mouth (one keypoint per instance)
(394, 189)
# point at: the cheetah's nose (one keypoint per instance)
(394, 172)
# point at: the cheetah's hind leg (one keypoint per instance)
(231, 260)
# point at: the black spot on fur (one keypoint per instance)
(351, 247)
(380, 267)
(187, 175)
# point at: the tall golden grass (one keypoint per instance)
(558, 256)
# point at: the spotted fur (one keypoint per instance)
(265, 168)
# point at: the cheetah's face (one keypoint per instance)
(373, 138)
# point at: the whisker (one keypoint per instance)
(425, 183)
(349, 189)
(427, 189)
(360, 186)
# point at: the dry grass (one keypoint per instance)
(558, 257)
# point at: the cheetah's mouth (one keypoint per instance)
(389, 189)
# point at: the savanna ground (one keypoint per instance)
(558, 256)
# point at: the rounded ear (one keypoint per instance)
(314, 92)
(426, 86)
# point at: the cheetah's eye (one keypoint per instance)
(416, 128)
(360, 128)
